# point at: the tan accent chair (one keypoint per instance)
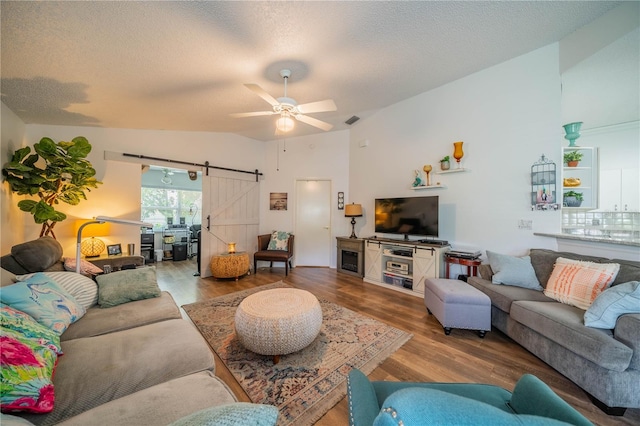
(273, 255)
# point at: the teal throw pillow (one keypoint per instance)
(511, 270)
(610, 304)
(239, 413)
(125, 286)
(279, 241)
(44, 300)
(426, 407)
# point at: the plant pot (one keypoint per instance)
(444, 165)
(572, 202)
(572, 163)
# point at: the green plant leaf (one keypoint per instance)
(19, 155)
(27, 205)
(80, 148)
(46, 148)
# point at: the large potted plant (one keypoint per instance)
(56, 172)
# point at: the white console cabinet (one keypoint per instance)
(402, 266)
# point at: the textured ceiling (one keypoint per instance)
(182, 65)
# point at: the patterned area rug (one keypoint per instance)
(304, 385)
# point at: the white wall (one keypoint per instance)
(322, 156)
(507, 115)
(119, 196)
(11, 218)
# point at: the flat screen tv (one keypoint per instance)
(407, 216)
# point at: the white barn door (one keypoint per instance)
(230, 213)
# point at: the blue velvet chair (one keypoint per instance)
(419, 404)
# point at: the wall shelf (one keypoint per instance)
(442, 172)
(417, 188)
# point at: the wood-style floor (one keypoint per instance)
(429, 356)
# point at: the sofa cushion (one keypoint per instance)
(100, 369)
(86, 268)
(82, 288)
(503, 295)
(6, 277)
(43, 299)
(543, 261)
(239, 413)
(612, 303)
(127, 286)
(17, 321)
(27, 371)
(578, 283)
(160, 404)
(563, 324)
(511, 270)
(37, 255)
(98, 321)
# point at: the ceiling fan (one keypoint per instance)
(288, 108)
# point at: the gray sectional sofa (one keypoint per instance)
(138, 363)
(604, 363)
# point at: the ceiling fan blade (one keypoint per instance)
(314, 122)
(264, 95)
(251, 114)
(320, 106)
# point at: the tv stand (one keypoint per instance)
(403, 265)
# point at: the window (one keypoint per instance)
(159, 204)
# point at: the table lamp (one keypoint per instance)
(92, 246)
(98, 221)
(353, 210)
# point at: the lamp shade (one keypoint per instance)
(94, 230)
(353, 210)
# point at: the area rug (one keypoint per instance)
(308, 383)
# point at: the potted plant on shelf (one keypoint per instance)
(65, 175)
(572, 158)
(444, 163)
(572, 199)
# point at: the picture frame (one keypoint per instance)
(340, 200)
(278, 201)
(114, 249)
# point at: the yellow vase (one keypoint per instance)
(458, 153)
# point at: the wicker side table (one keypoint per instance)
(230, 265)
(278, 322)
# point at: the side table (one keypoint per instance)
(230, 265)
(471, 264)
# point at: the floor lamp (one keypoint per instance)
(103, 219)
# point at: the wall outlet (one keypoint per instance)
(525, 224)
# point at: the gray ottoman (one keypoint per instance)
(456, 304)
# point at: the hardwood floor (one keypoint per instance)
(428, 356)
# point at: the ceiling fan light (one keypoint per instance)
(284, 124)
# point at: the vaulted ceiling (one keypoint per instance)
(182, 65)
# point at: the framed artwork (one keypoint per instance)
(340, 200)
(114, 249)
(278, 201)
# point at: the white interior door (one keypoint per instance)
(312, 245)
(230, 213)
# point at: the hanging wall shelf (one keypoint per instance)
(418, 188)
(442, 172)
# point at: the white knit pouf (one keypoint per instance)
(278, 322)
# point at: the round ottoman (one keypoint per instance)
(229, 265)
(278, 321)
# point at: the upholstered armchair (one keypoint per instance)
(273, 255)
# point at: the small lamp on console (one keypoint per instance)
(100, 220)
(92, 246)
(353, 210)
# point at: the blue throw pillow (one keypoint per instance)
(239, 413)
(43, 299)
(610, 304)
(423, 407)
(511, 270)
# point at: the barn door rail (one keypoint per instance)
(206, 164)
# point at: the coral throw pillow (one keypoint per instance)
(578, 283)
